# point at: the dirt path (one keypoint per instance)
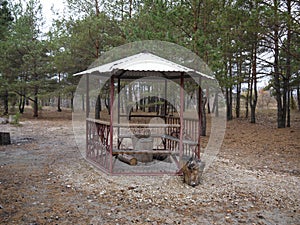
(255, 180)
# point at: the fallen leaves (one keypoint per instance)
(255, 180)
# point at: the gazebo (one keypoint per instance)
(147, 128)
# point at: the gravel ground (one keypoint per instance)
(254, 180)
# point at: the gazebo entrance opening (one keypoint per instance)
(142, 119)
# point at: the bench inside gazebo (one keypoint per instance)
(147, 126)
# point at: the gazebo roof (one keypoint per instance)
(142, 65)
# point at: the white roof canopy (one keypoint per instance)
(143, 65)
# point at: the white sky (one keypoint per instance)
(58, 6)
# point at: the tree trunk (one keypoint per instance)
(5, 99)
(215, 108)
(229, 93)
(203, 115)
(298, 96)
(58, 97)
(130, 8)
(214, 104)
(35, 107)
(207, 97)
(238, 88)
(35, 103)
(253, 87)
(136, 106)
(107, 104)
(253, 112)
(157, 106)
(201, 102)
(288, 64)
(289, 98)
(58, 103)
(247, 104)
(98, 107)
(229, 103)
(22, 104)
(148, 103)
(238, 100)
(125, 100)
(82, 100)
(247, 96)
(285, 100)
(97, 7)
(72, 102)
(277, 84)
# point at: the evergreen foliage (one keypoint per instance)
(241, 41)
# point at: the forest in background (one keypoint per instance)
(242, 41)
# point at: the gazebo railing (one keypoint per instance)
(98, 140)
(97, 149)
(190, 135)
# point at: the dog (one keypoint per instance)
(192, 171)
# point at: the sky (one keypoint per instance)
(47, 13)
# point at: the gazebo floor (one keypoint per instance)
(153, 167)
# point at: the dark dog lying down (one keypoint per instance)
(192, 171)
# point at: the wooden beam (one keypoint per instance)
(111, 129)
(181, 114)
(197, 153)
(131, 152)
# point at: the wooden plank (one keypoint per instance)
(107, 123)
(130, 152)
(146, 125)
(132, 135)
(135, 114)
(169, 137)
(189, 142)
(148, 116)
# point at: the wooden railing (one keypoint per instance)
(98, 138)
(97, 149)
(190, 135)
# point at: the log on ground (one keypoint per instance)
(129, 159)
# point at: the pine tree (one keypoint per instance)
(5, 23)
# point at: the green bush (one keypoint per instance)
(16, 118)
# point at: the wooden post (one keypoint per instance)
(165, 105)
(165, 101)
(119, 105)
(111, 130)
(87, 96)
(87, 108)
(197, 154)
(181, 115)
